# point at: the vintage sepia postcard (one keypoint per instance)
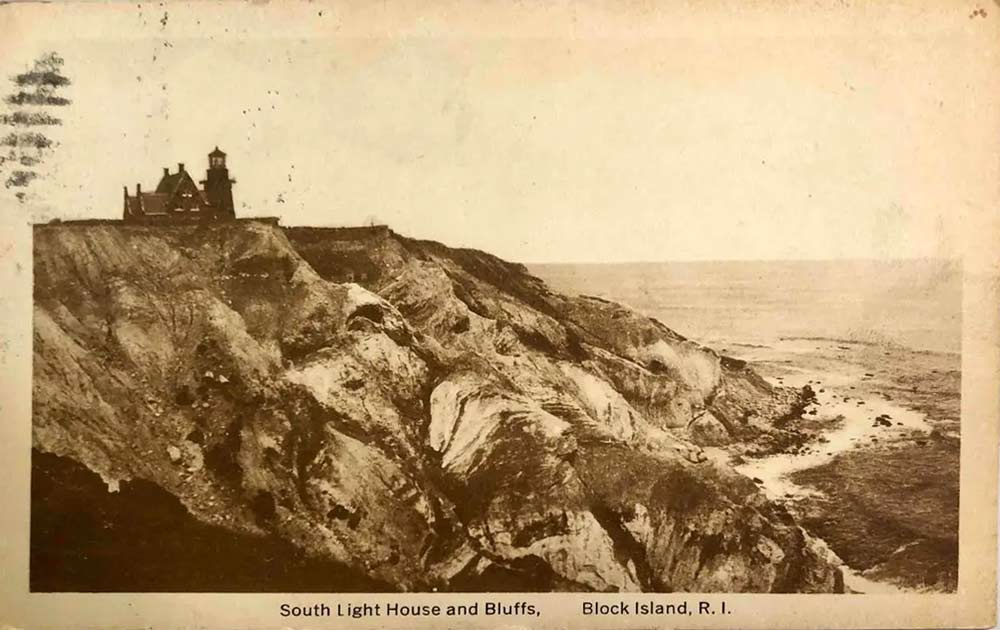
(451, 314)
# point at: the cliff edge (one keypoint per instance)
(309, 409)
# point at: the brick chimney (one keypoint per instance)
(180, 167)
(166, 171)
(138, 190)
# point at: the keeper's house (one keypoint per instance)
(177, 199)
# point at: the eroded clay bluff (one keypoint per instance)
(417, 416)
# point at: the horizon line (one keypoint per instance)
(747, 260)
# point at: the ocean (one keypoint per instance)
(916, 304)
(883, 499)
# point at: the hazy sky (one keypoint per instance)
(596, 136)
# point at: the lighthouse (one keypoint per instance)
(218, 186)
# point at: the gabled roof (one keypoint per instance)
(170, 181)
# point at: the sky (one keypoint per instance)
(562, 135)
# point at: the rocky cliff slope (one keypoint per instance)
(246, 407)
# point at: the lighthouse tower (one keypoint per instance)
(218, 187)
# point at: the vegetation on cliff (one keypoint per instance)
(416, 416)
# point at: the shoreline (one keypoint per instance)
(875, 475)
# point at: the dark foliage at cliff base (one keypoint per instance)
(140, 538)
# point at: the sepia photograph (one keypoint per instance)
(481, 303)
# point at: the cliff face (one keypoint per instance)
(411, 415)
